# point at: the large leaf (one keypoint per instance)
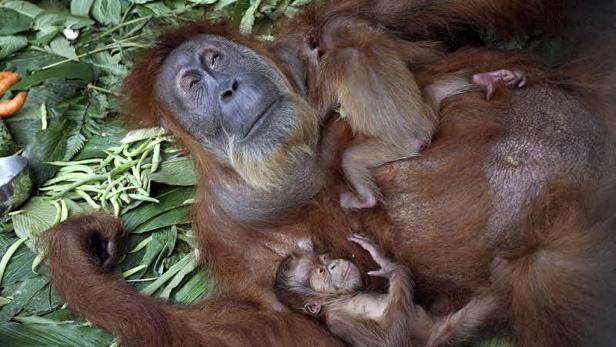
(69, 70)
(11, 44)
(155, 249)
(60, 46)
(171, 217)
(23, 7)
(169, 200)
(176, 172)
(198, 285)
(23, 294)
(107, 11)
(81, 7)
(178, 278)
(48, 145)
(239, 9)
(60, 19)
(248, 19)
(25, 61)
(97, 144)
(19, 266)
(13, 22)
(36, 217)
(187, 261)
(58, 334)
(43, 301)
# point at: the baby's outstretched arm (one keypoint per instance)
(398, 313)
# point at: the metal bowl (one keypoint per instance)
(15, 182)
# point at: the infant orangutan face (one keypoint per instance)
(306, 279)
(334, 276)
(307, 268)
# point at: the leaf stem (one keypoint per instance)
(118, 27)
(101, 89)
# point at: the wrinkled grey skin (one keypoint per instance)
(223, 92)
(237, 105)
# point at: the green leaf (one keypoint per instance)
(154, 286)
(299, 3)
(159, 8)
(48, 145)
(70, 70)
(176, 172)
(46, 34)
(24, 7)
(60, 334)
(74, 144)
(107, 11)
(177, 279)
(4, 301)
(239, 10)
(203, 2)
(60, 46)
(60, 19)
(199, 284)
(23, 294)
(19, 268)
(42, 302)
(107, 64)
(248, 20)
(13, 22)
(171, 199)
(81, 7)
(155, 249)
(172, 217)
(6, 258)
(11, 44)
(97, 144)
(221, 4)
(142, 134)
(36, 217)
(25, 61)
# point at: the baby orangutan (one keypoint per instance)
(331, 291)
(383, 103)
(361, 67)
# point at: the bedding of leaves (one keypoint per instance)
(73, 55)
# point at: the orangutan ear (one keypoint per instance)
(305, 245)
(312, 308)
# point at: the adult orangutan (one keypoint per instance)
(505, 202)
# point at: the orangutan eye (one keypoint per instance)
(190, 80)
(193, 82)
(211, 58)
(215, 58)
